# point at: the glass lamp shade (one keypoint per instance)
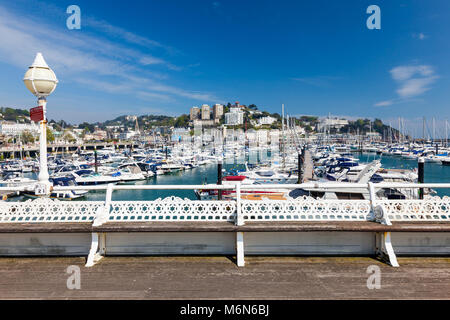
(39, 78)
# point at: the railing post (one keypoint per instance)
(239, 217)
(219, 179)
(372, 195)
(240, 260)
(385, 250)
(102, 214)
(421, 174)
(96, 161)
(109, 191)
(239, 222)
(299, 167)
(379, 213)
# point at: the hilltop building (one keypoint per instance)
(195, 113)
(235, 116)
(206, 112)
(217, 112)
(267, 120)
(131, 118)
(331, 123)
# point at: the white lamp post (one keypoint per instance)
(41, 81)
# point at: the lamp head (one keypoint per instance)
(39, 78)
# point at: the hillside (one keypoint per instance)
(251, 116)
(16, 115)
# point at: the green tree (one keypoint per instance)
(50, 136)
(182, 121)
(27, 137)
(69, 137)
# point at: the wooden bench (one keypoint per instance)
(98, 233)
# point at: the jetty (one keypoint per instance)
(308, 167)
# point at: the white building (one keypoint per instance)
(299, 130)
(263, 136)
(217, 111)
(334, 123)
(126, 135)
(130, 118)
(267, 120)
(16, 129)
(206, 112)
(373, 135)
(180, 134)
(234, 117)
(274, 136)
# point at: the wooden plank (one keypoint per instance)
(219, 278)
(308, 167)
(42, 227)
(176, 226)
(357, 226)
(225, 226)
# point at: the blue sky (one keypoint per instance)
(162, 57)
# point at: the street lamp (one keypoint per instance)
(41, 81)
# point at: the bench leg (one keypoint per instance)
(98, 248)
(385, 249)
(240, 249)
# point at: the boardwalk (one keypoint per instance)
(218, 277)
(308, 167)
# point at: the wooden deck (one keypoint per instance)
(219, 278)
(308, 167)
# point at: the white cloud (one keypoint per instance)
(415, 87)
(147, 60)
(123, 34)
(406, 72)
(412, 80)
(384, 103)
(91, 61)
(420, 36)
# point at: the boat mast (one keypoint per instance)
(423, 130)
(282, 128)
(446, 133)
(434, 130)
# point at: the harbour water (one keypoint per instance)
(208, 174)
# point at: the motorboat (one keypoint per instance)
(61, 194)
(89, 178)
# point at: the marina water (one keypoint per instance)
(208, 174)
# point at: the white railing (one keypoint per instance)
(238, 210)
(46, 210)
(306, 209)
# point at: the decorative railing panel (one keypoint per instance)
(177, 209)
(172, 209)
(429, 209)
(306, 209)
(47, 210)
